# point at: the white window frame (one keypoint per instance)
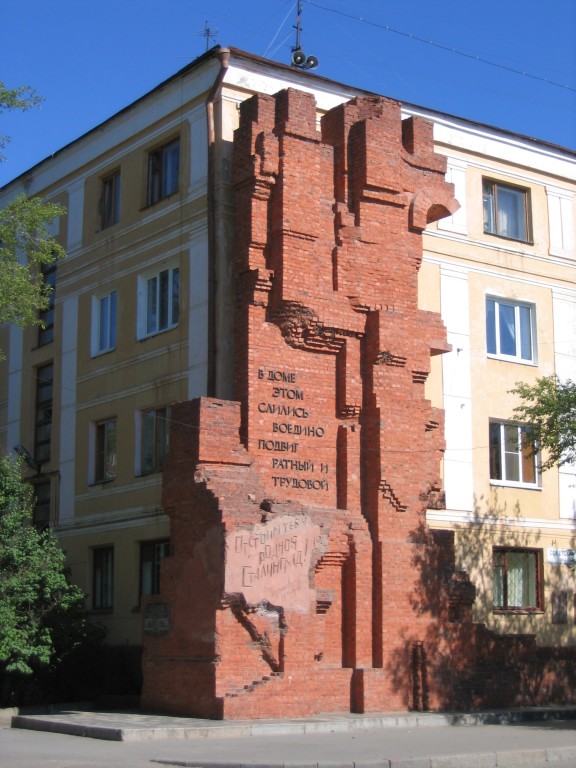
(516, 461)
(104, 323)
(153, 316)
(494, 335)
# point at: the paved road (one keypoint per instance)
(537, 745)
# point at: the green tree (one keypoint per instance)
(25, 240)
(38, 605)
(549, 405)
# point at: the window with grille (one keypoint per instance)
(41, 512)
(517, 582)
(46, 316)
(43, 417)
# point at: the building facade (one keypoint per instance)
(144, 317)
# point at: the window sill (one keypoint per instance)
(152, 335)
(510, 484)
(510, 359)
(509, 239)
(102, 352)
(518, 611)
(101, 482)
(147, 206)
(106, 228)
(101, 611)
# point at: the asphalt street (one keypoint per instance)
(537, 744)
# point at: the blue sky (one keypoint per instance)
(90, 58)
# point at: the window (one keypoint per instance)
(155, 438)
(505, 210)
(104, 323)
(509, 330)
(163, 172)
(103, 578)
(46, 316)
(159, 302)
(105, 464)
(151, 553)
(517, 582)
(43, 419)
(110, 200)
(513, 454)
(41, 512)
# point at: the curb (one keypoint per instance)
(506, 759)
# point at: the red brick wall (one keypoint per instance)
(303, 577)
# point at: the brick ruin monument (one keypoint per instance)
(303, 577)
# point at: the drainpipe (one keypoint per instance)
(224, 56)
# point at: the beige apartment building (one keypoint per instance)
(143, 317)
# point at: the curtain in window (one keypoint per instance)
(498, 580)
(171, 164)
(521, 579)
(511, 213)
(507, 320)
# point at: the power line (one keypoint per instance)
(443, 47)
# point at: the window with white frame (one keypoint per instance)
(506, 210)
(510, 330)
(513, 454)
(517, 582)
(154, 439)
(158, 302)
(104, 323)
(105, 455)
(163, 172)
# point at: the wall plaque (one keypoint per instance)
(157, 619)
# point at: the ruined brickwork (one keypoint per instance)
(303, 577)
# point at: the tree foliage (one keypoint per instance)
(25, 244)
(38, 606)
(22, 98)
(25, 240)
(549, 405)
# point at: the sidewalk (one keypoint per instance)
(534, 737)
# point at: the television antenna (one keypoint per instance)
(209, 34)
(299, 58)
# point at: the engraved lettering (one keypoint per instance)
(289, 378)
(283, 410)
(289, 394)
